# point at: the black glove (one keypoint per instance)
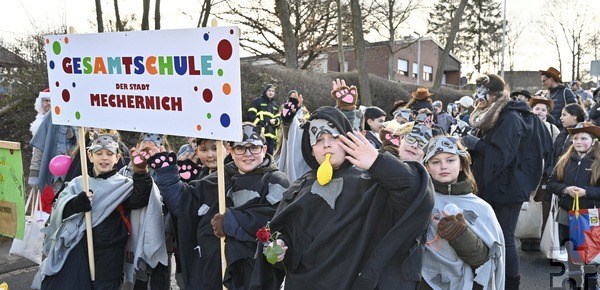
(188, 170)
(81, 203)
(162, 159)
(289, 111)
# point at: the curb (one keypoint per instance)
(16, 265)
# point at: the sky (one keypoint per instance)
(22, 17)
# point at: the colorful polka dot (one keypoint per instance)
(66, 96)
(199, 127)
(47, 41)
(77, 115)
(226, 89)
(224, 49)
(207, 95)
(57, 84)
(51, 64)
(195, 88)
(231, 31)
(225, 120)
(57, 110)
(66, 40)
(73, 84)
(56, 47)
(209, 115)
(220, 72)
(206, 36)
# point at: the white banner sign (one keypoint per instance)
(181, 82)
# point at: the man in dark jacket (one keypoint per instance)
(508, 154)
(557, 92)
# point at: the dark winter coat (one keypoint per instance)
(560, 94)
(198, 246)
(594, 114)
(370, 236)
(373, 140)
(577, 172)
(507, 161)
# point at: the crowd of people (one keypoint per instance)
(341, 197)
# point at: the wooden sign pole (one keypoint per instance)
(221, 186)
(88, 214)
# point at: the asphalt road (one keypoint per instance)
(537, 273)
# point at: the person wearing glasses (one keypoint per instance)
(413, 142)
(557, 92)
(508, 150)
(254, 187)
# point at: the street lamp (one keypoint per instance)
(418, 57)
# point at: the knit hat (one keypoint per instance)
(336, 119)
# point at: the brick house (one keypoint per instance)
(9, 61)
(405, 61)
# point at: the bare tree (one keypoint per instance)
(389, 15)
(437, 80)
(157, 15)
(99, 19)
(118, 22)
(364, 89)
(313, 23)
(568, 20)
(290, 45)
(547, 31)
(514, 31)
(205, 13)
(146, 15)
(340, 39)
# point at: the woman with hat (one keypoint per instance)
(557, 92)
(421, 98)
(577, 173)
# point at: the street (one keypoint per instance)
(537, 273)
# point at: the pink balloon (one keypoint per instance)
(59, 165)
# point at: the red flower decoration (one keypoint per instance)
(263, 234)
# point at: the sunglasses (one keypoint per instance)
(412, 139)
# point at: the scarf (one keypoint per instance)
(483, 120)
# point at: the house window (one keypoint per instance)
(427, 73)
(415, 71)
(403, 67)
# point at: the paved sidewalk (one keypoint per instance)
(9, 263)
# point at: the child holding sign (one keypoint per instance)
(254, 188)
(110, 198)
